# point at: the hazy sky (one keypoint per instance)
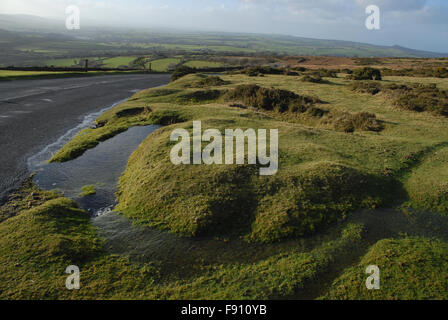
(419, 24)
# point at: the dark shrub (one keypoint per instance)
(132, 111)
(312, 79)
(421, 98)
(420, 72)
(182, 71)
(258, 70)
(366, 87)
(366, 74)
(270, 99)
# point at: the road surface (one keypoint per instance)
(34, 113)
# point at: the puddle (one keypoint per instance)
(101, 167)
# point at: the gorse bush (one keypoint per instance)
(366, 74)
(270, 99)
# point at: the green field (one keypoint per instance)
(7, 75)
(202, 64)
(161, 65)
(62, 62)
(117, 62)
(341, 201)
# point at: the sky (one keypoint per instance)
(417, 24)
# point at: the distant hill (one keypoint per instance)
(27, 40)
(23, 22)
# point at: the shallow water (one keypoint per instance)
(100, 166)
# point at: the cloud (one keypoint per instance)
(414, 23)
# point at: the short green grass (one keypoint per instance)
(62, 62)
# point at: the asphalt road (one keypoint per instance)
(34, 113)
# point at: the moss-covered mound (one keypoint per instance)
(319, 194)
(194, 200)
(411, 268)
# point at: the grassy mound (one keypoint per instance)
(38, 245)
(26, 197)
(323, 193)
(411, 268)
(195, 200)
(428, 184)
